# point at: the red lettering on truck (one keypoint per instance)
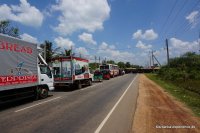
(13, 47)
(13, 80)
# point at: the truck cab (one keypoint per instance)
(45, 79)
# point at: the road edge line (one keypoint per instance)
(114, 107)
(37, 104)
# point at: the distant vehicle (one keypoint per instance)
(23, 72)
(71, 71)
(98, 76)
(106, 74)
(121, 72)
(113, 69)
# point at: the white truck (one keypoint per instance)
(23, 71)
(71, 71)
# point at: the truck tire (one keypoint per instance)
(79, 85)
(90, 82)
(43, 92)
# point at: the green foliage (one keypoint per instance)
(121, 65)
(183, 71)
(111, 62)
(136, 66)
(49, 50)
(128, 65)
(182, 68)
(6, 28)
(94, 66)
(68, 52)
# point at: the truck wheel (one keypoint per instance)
(90, 82)
(43, 92)
(79, 86)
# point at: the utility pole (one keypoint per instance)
(71, 51)
(45, 51)
(99, 60)
(167, 51)
(95, 58)
(199, 42)
(152, 58)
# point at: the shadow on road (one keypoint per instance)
(5, 106)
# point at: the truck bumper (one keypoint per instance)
(51, 88)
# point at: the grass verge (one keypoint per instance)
(191, 99)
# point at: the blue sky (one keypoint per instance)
(121, 30)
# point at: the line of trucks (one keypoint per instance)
(25, 74)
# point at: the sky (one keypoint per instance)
(119, 30)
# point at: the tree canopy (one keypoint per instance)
(6, 28)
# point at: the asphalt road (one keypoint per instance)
(106, 107)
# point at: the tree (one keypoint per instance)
(68, 52)
(111, 62)
(121, 64)
(136, 66)
(5, 28)
(128, 65)
(49, 50)
(93, 66)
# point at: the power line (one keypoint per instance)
(184, 24)
(166, 21)
(176, 16)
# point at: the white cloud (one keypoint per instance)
(193, 18)
(87, 38)
(141, 45)
(65, 43)
(179, 47)
(149, 34)
(103, 46)
(23, 13)
(111, 53)
(82, 51)
(138, 35)
(29, 38)
(112, 46)
(76, 15)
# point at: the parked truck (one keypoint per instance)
(71, 71)
(113, 69)
(23, 71)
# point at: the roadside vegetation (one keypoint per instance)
(181, 78)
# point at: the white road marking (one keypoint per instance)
(111, 111)
(37, 104)
(96, 84)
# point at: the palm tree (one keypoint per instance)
(48, 50)
(5, 28)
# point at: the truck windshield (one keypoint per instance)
(66, 69)
(56, 72)
(62, 70)
(104, 67)
(46, 70)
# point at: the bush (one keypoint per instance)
(183, 71)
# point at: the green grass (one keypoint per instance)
(190, 98)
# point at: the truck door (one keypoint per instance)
(46, 76)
